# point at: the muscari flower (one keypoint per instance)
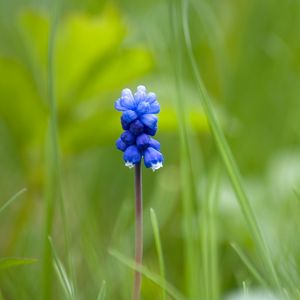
(139, 123)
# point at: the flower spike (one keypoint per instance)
(139, 122)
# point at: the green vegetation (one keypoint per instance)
(224, 210)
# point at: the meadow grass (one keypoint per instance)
(185, 218)
(227, 157)
(158, 246)
(12, 199)
(54, 193)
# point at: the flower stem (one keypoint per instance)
(138, 231)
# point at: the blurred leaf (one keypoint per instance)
(20, 105)
(9, 262)
(90, 63)
(120, 69)
(82, 42)
(35, 30)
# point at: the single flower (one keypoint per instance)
(139, 122)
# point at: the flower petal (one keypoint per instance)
(154, 108)
(149, 120)
(118, 106)
(132, 156)
(154, 144)
(141, 94)
(142, 141)
(127, 93)
(153, 158)
(141, 88)
(143, 108)
(151, 97)
(128, 102)
(150, 131)
(129, 116)
(136, 127)
(128, 138)
(121, 145)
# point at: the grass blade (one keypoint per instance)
(227, 157)
(249, 265)
(53, 182)
(62, 274)
(147, 273)
(191, 248)
(209, 239)
(52, 160)
(9, 262)
(12, 199)
(158, 246)
(102, 292)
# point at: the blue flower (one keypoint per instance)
(132, 156)
(136, 127)
(121, 145)
(139, 122)
(128, 138)
(153, 159)
(142, 141)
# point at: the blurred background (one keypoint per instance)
(248, 53)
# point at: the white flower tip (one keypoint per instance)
(156, 166)
(141, 88)
(126, 92)
(129, 164)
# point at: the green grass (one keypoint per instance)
(228, 159)
(102, 292)
(54, 193)
(209, 235)
(52, 180)
(173, 292)
(11, 200)
(159, 251)
(227, 77)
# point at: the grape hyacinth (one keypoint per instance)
(139, 123)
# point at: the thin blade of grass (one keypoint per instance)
(191, 248)
(102, 292)
(249, 265)
(227, 157)
(62, 274)
(12, 199)
(173, 292)
(53, 179)
(52, 161)
(9, 262)
(159, 251)
(209, 240)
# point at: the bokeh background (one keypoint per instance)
(248, 53)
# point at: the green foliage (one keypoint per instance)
(58, 128)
